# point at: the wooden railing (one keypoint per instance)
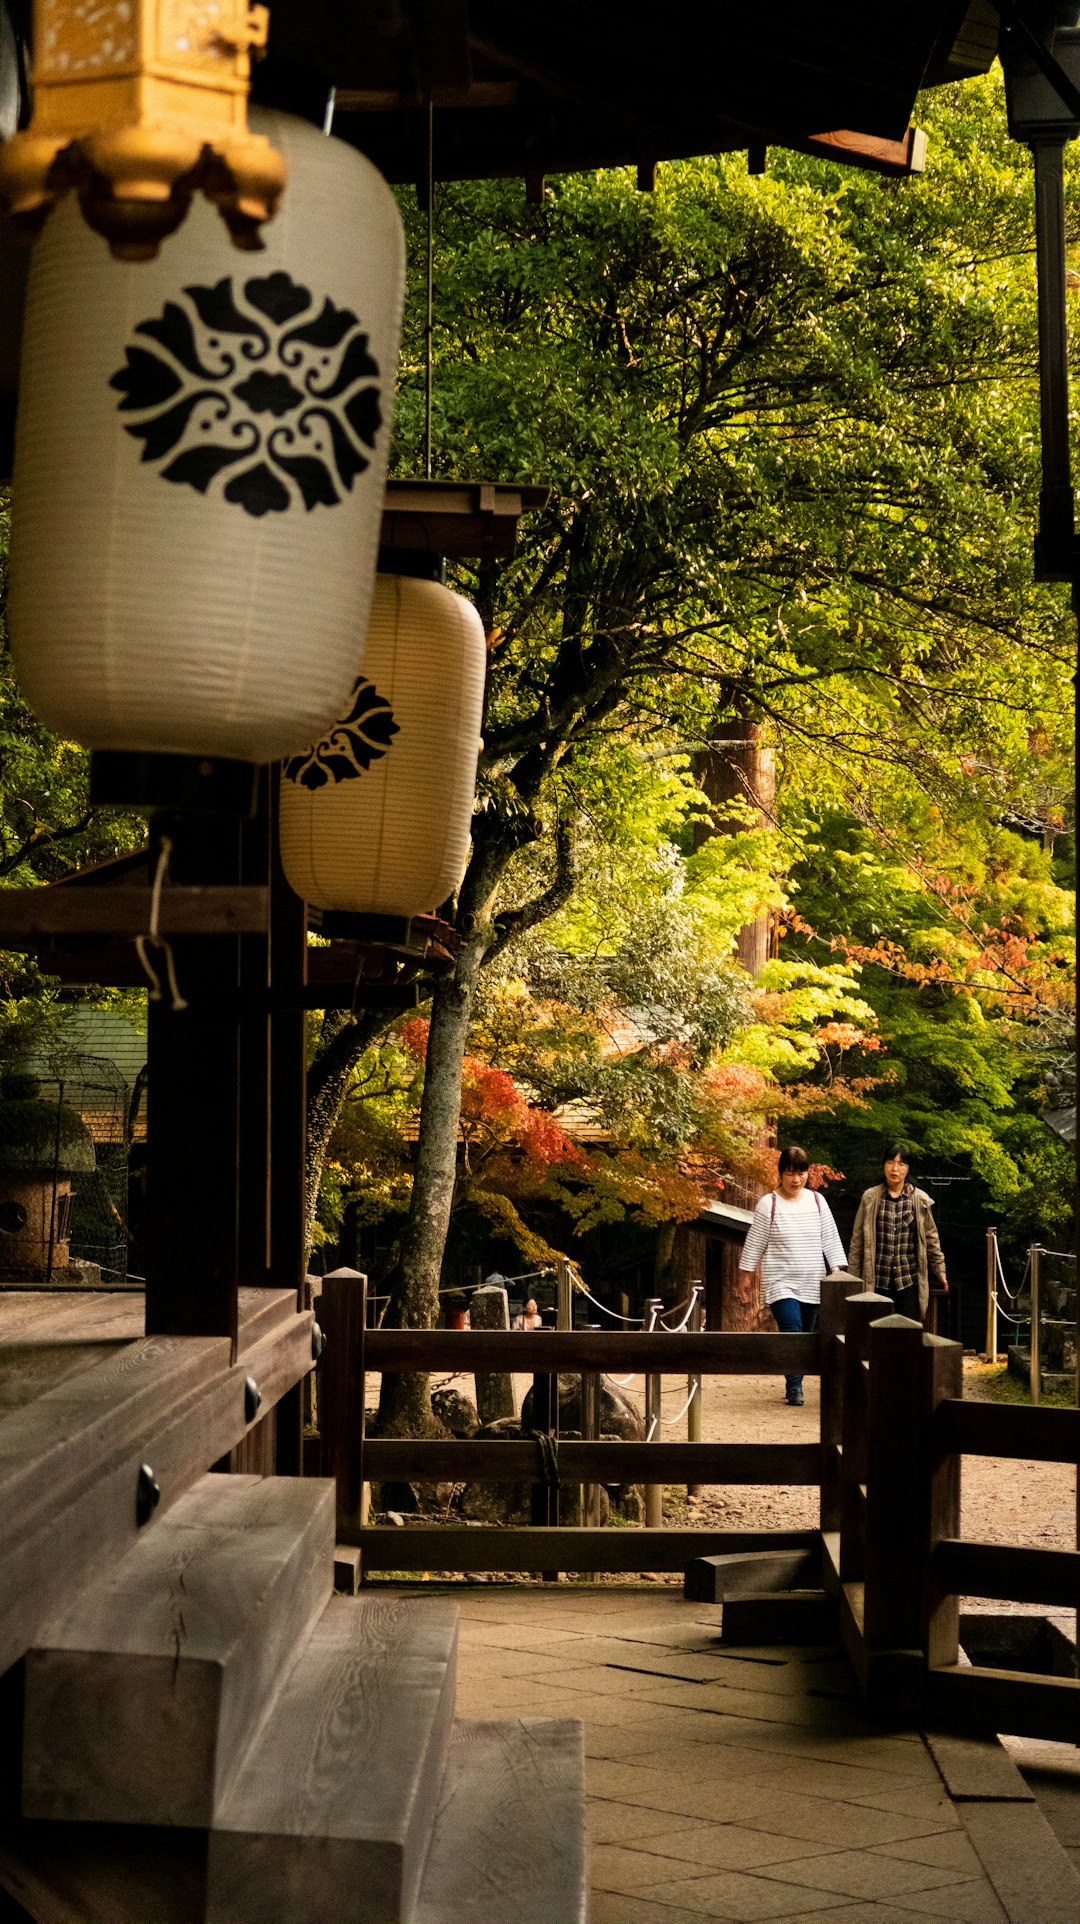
(352, 1351)
(894, 1427)
(893, 1555)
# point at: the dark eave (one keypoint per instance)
(528, 91)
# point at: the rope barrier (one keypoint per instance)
(549, 1456)
(638, 1321)
(669, 1421)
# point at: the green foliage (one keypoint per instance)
(47, 829)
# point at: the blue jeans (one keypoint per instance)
(793, 1318)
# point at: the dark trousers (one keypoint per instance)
(792, 1317)
(907, 1303)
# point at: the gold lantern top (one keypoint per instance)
(138, 104)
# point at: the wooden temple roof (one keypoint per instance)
(575, 84)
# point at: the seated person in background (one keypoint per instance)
(530, 1317)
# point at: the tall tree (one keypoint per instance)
(789, 427)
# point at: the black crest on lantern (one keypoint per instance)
(358, 739)
(255, 392)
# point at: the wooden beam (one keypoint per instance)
(510, 1461)
(1008, 1571)
(1011, 1700)
(710, 1354)
(203, 910)
(70, 1462)
(901, 157)
(456, 1548)
(1008, 1429)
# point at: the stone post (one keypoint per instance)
(495, 1393)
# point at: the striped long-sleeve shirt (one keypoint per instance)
(797, 1243)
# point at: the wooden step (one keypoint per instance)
(752, 1572)
(329, 1818)
(142, 1699)
(509, 1841)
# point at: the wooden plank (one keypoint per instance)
(331, 1813)
(142, 1698)
(509, 1839)
(103, 1874)
(713, 1353)
(346, 1569)
(896, 158)
(511, 1461)
(748, 1573)
(1009, 1571)
(451, 1547)
(225, 910)
(862, 1309)
(261, 1310)
(1011, 1700)
(69, 1464)
(1008, 1430)
(797, 1616)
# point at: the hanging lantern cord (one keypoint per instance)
(152, 939)
(328, 116)
(429, 318)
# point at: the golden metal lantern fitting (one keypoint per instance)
(138, 104)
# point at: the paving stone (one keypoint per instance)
(733, 1847)
(870, 1913)
(608, 1822)
(938, 1810)
(973, 1903)
(817, 1819)
(976, 1767)
(863, 1874)
(952, 1849)
(610, 1907)
(621, 1868)
(1029, 1870)
(734, 1894)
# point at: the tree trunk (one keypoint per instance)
(741, 769)
(405, 1402)
(327, 1083)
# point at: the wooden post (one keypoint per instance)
(193, 1102)
(545, 1410)
(895, 1448)
(939, 1472)
(863, 1308)
(991, 1296)
(343, 1317)
(693, 1381)
(654, 1492)
(1035, 1253)
(590, 1431)
(564, 1294)
(836, 1290)
(287, 1136)
(489, 1309)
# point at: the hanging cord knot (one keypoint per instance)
(152, 939)
(548, 1446)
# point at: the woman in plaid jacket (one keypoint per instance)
(894, 1245)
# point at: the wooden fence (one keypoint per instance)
(894, 1427)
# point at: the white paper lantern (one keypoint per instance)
(200, 463)
(375, 817)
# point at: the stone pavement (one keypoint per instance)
(747, 1784)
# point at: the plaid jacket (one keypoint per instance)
(863, 1250)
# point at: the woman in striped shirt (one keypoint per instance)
(794, 1238)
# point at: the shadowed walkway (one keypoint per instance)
(746, 1784)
